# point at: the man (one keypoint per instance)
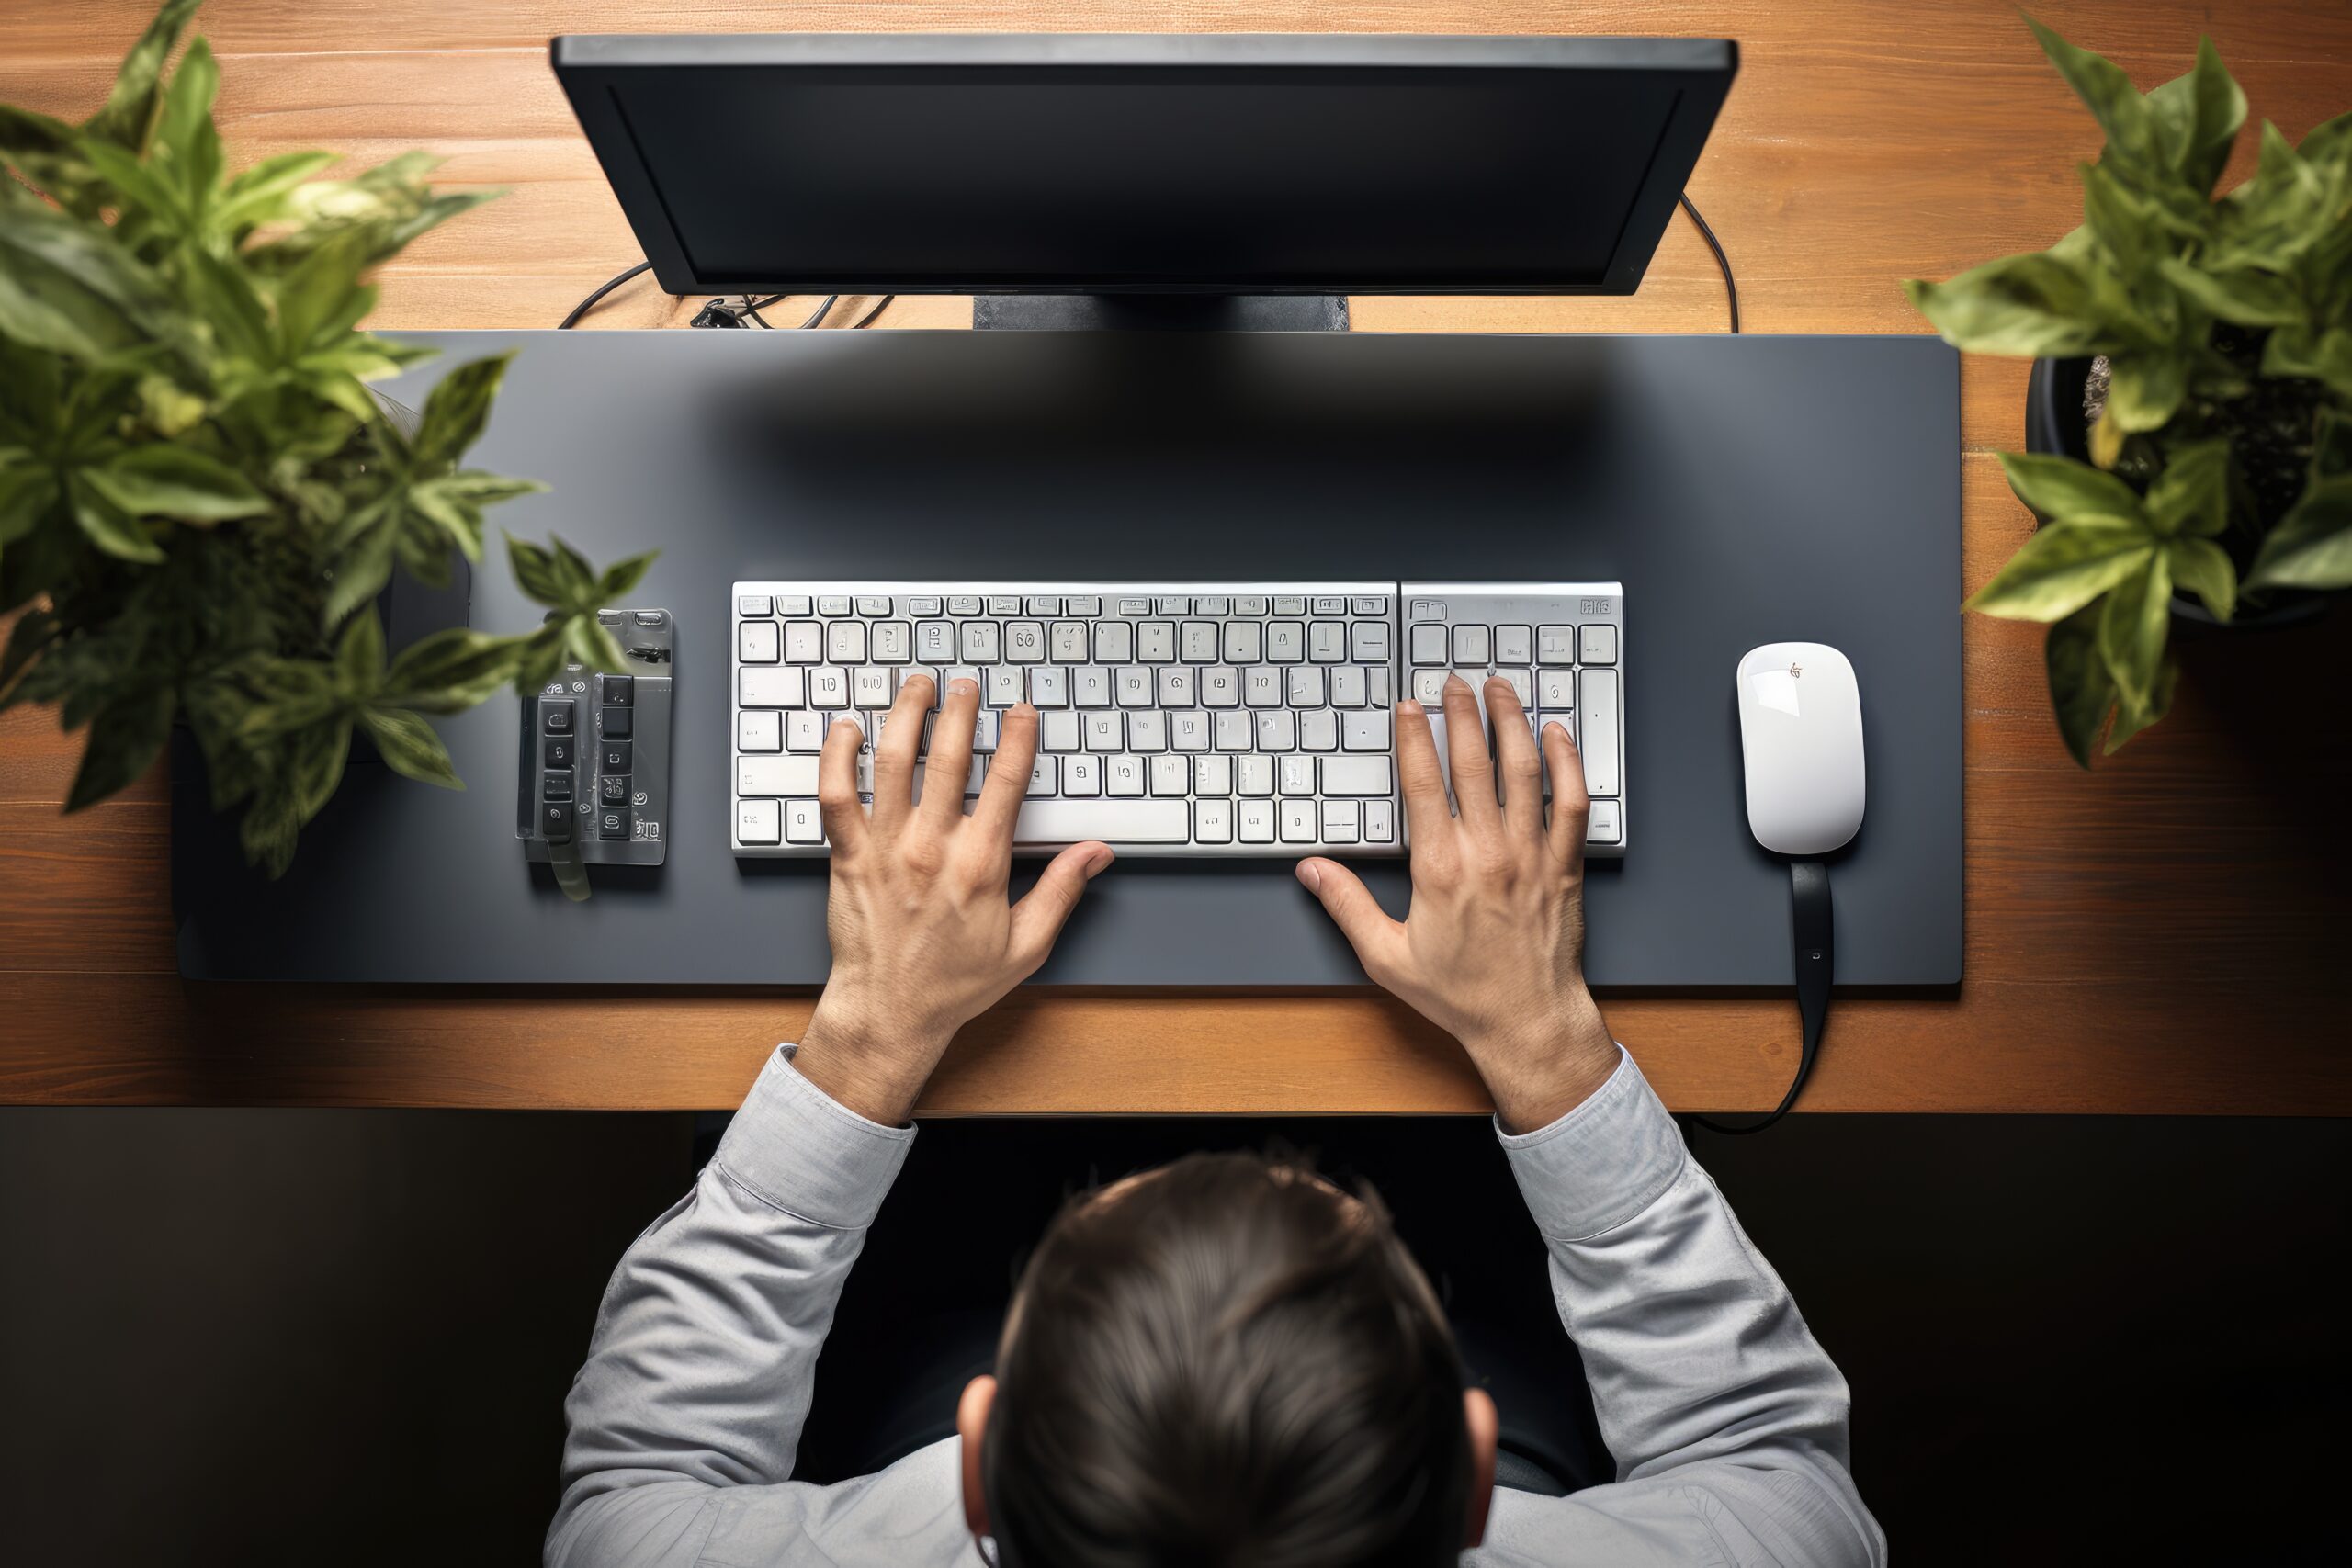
(1227, 1362)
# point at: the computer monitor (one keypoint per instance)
(1110, 164)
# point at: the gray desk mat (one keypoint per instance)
(1744, 490)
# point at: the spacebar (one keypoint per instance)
(1114, 821)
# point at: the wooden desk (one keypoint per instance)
(2164, 935)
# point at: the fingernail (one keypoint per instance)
(1311, 874)
(1453, 681)
(961, 688)
(1552, 724)
(1409, 707)
(1099, 862)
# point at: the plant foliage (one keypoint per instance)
(2222, 460)
(199, 498)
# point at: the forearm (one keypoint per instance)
(702, 1363)
(1699, 1364)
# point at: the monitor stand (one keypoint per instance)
(1161, 312)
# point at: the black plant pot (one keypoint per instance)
(2054, 425)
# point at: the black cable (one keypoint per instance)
(609, 284)
(814, 316)
(1813, 932)
(867, 318)
(1722, 260)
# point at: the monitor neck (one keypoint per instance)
(1161, 312)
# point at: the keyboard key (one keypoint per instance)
(1176, 687)
(1211, 604)
(964, 604)
(1084, 604)
(1514, 645)
(1330, 605)
(804, 823)
(1068, 641)
(1289, 605)
(616, 722)
(556, 819)
(1285, 641)
(1249, 604)
(1045, 775)
(1254, 775)
(1233, 730)
(1298, 775)
(921, 604)
(1188, 730)
(759, 731)
(1379, 822)
(1304, 687)
(1262, 686)
(1213, 775)
(1115, 642)
(1605, 826)
(1156, 641)
(1004, 603)
(755, 604)
(832, 605)
(776, 775)
(1278, 730)
(1220, 686)
(1091, 687)
(1365, 731)
(1597, 645)
(893, 642)
(1044, 604)
(759, 822)
(1368, 642)
(1147, 730)
(846, 642)
(1369, 604)
(1556, 645)
(980, 644)
(1358, 776)
(556, 785)
(1173, 604)
(616, 756)
(1213, 821)
(555, 718)
(1244, 642)
(1003, 686)
(804, 642)
(1349, 689)
(1135, 687)
(1298, 821)
(556, 751)
(1123, 776)
(1472, 648)
(792, 604)
(1049, 687)
(804, 730)
(873, 686)
(1428, 644)
(1556, 689)
(1172, 775)
(1318, 730)
(1118, 821)
(612, 789)
(1341, 825)
(1025, 641)
(1596, 735)
(1326, 641)
(828, 687)
(1082, 775)
(770, 687)
(1057, 731)
(1254, 820)
(1106, 731)
(613, 821)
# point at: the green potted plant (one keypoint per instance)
(2191, 413)
(200, 501)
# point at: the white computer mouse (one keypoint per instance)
(1800, 737)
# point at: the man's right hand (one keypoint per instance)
(1492, 950)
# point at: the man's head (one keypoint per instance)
(1226, 1363)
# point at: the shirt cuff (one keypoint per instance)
(804, 1152)
(1600, 1164)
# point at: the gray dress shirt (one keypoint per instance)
(1727, 1421)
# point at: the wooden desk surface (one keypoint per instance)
(2164, 935)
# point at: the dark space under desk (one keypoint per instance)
(1744, 490)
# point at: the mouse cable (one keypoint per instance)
(1722, 260)
(867, 318)
(1813, 930)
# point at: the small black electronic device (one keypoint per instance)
(593, 786)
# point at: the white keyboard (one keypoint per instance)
(1177, 718)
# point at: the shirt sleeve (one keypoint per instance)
(702, 1364)
(1728, 1422)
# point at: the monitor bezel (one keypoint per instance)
(593, 68)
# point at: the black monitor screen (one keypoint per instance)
(1271, 177)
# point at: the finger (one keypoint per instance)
(1038, 918)
(1570, 805)
(1375, 937)
(837, 800)
(1473, 771)
(951, 754)
(1427, 817)
(1008, 780)
(894, 758)
(1520, 765)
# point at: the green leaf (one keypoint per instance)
(316, 301)
(2082, 694)
(2248, 297)
(534, 571)
(185, 137)
(129, 111)
(410, 746)
(2130, 721)
(2312, 545)
(2066, 566)
(363, 572)
(359, 657)
(451, 670)
(109, 526)
(2132, 625)
(2144, 390)
(26, 493)
(2204, 569)
(2323, 356)
(262, 192)
(2192, 495)
(161, 480)
(63, 284)
(225, 298)
(2033, 306)
(2108, 93)
(622, 576)
(2203, 110)
(458, 410)
(317, 755)
(2331, 444)
(125, 736)
(139, 188)
(2059, 487)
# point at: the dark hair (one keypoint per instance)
(1226, 1364)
